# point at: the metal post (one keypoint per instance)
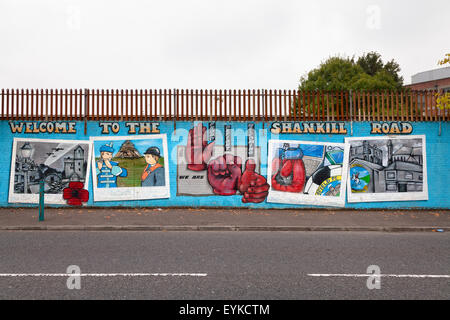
(264, 111)
(25, 182)
(351, 112)
(41, 200)
(175, 98)
(440, 118)
(84, 110)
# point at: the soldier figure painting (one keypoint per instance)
(153, 174)
(107, 170)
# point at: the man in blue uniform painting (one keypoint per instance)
(154, 174)
(107, 170)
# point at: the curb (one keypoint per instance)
(221, 228)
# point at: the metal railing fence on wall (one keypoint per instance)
(218, 105)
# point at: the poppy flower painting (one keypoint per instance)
(75, 194)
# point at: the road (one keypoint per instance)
(223, 265)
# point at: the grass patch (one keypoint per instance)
(134, 167)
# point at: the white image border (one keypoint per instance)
(306, 199)
(390, 196)
(132, 193)
(48, 198)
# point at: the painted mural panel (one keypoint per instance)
(130, 168)
(56, 162)
(304, 172)
(387, 169)
(206, 169)
(196, 182)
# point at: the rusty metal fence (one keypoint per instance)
(218, 105)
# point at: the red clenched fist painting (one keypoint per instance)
(226, 178)
(288, 175)
(198, 151)
(224, 174)
(253, 186)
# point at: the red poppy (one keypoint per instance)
(75, 194)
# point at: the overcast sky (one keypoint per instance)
(208, 44)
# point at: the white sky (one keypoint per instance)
(208, 44)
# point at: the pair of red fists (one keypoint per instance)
(225, 172)
(226, 177)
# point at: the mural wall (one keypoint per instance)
(303, 172)
(227, 164)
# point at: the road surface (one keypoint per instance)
(224, 265)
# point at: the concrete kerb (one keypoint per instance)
(224, 228)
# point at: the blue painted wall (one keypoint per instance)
(437, 149)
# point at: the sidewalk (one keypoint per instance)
(189, 219)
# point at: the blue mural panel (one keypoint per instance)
(236, 158)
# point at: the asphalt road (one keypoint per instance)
(223, 265)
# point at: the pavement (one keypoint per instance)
(220, 219)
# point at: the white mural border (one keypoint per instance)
(305, 199)
(390, 196)
(132, 193)
(48, 198)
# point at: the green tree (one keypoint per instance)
(334, 74)
(372, 64)
(393, 68)
(338, 73)
(343, 73)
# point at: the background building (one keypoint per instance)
(437, 79)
